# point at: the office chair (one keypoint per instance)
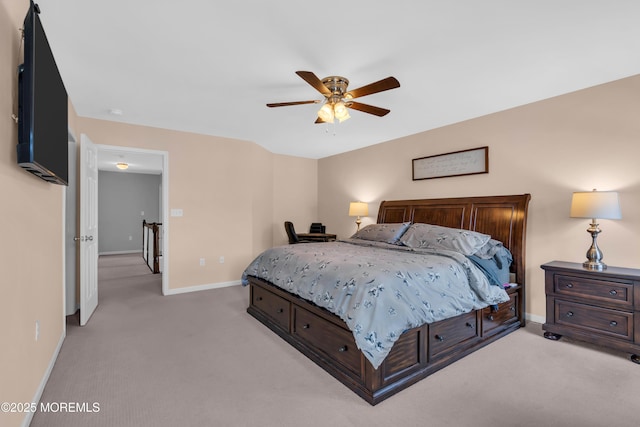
(291, 233)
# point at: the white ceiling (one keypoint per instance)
(210, 67)
(137, 161)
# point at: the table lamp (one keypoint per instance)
(358, 209)
(595, 204)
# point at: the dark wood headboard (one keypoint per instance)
(502, 217)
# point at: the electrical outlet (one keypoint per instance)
(130, 237)
(202, 262)
(221, 260)
(37, 330)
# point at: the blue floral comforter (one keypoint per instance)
(379, 290)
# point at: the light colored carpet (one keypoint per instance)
(200, 360)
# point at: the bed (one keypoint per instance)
(307, 294)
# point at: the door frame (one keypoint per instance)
(70, 226)
(165, 202)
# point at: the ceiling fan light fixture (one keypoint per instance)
(338, 100)
(340, 111)
(326, 113)
(343, 118)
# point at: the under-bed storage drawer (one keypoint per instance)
(327, 337)
(506, 311)
(272, 305)
(447, 333)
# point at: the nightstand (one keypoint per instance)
(599, 307)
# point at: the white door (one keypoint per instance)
(88, 185)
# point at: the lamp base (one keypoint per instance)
(594, 254)
(594, 265)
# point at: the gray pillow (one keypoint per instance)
(388, 233)
(428, 236)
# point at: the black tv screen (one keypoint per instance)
(42, 107)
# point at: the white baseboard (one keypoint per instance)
(534, 318)
(202, 287)
(138, 251)
(36, 398)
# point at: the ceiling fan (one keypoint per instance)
(338, 100)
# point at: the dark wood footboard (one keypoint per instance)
(325, 339)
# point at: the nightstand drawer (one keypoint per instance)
(599, 320)
(612, 292)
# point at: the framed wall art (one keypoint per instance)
(456, 163)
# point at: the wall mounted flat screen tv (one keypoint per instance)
(42, 107)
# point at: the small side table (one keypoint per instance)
(600, 307)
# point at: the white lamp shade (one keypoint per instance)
(358, 209)
(339, 108)
(340, 111)
(595, 204)
(326, 113)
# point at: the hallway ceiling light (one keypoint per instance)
(122, 165)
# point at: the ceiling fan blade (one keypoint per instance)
(379, 86)
(286, 104)
(314, 81)
(366, 108)
(319, 120)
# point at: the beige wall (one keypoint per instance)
(31, 258)
(234, 194)
(296, 198)
(580, 141)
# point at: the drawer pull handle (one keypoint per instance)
(306, 326)
(258, 298)
(490, 317)
(343, 349)
(569, 313)
(613, 323)
(440, 338)
(512, 309)
(613, 292)
(569, 285)
(280, 310)
(470, 325)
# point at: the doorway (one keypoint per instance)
(139, 161)
(143, 161)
